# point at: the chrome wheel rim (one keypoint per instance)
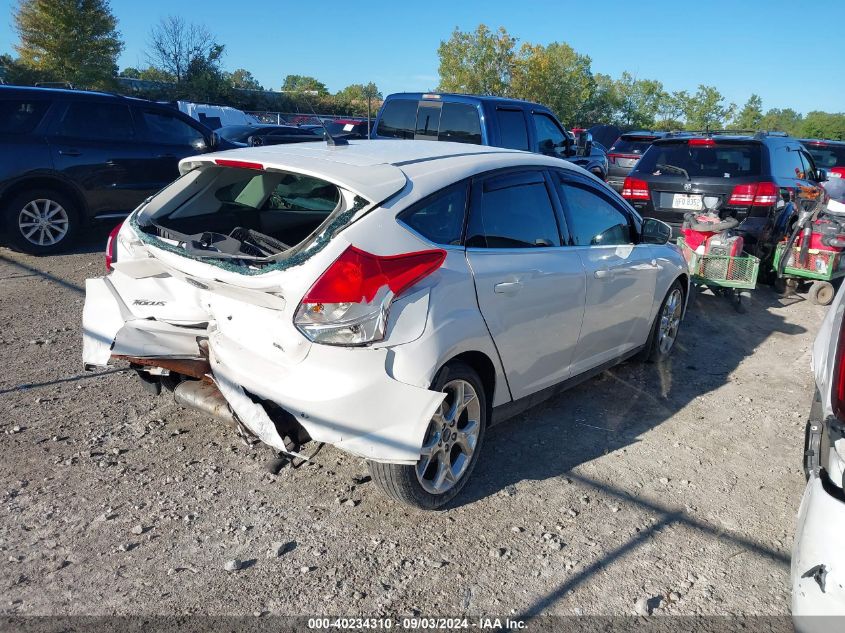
(43, 222)
(670, 321)
(451, 439)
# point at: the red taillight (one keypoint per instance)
(357, 276)
(240, 164)
(349, 303)
(701, 142)
(755, 194)
(635, 189)
(837, 394)
(836, 172)
(111, 248)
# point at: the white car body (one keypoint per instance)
(818, 554)
(533, 318)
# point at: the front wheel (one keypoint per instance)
(664, 330)
(450, 448)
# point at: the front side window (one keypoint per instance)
(459, 123)
(439, 218)
(550, 138)
(169, 130)
(97, 121)
(518, 215)
(21, 116)
(514, 134)
(398, 119)
(593, 220)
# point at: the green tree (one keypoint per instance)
(304, 83)
(670, 111)
(554, 75)
(480, 62)
(639, 101)
(602, 104)
(706, 109)
(69, 40)
(823, 125)
(358, 92)
(243, 80)
(785, 120)
(751, 115)
(148, 74)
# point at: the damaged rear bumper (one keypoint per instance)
(341, 396)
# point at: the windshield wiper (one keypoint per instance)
(675, 169)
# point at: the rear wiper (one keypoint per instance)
(673, 168)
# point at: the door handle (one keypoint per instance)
(603, 273)
(70, 152)
(507, 287)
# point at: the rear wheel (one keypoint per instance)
(41, 221)
(450, 448)
(667, 323)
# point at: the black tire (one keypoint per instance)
(20, 205)
(821, 293)
(652, 353)
(400, 481)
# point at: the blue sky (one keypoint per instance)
(740, 46)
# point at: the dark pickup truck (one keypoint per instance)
(485, 120)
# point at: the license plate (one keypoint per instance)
(685, 201)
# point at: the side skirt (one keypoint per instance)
(515, 407)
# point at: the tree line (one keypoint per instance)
(485, 61)
(77, 41)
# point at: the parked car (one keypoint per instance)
(482, 120)
(393, 298)
(750, 178)
(346, 128)
(624, 154)
(216, 116)
(818, 558)
(252, 135)
(828, 155)
(70, 157)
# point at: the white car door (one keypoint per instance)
(621, 274)
(530, 288)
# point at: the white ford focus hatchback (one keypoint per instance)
(392, 298)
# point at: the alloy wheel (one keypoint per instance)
(43, 222)
(670, 321)
(451, 439)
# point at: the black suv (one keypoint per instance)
(485, 120)
(751, 178)
(623, 155)
(70, 157)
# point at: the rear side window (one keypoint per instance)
(21, 116)
(592, 219)
(513, 216)
(723, 160)
(512, 129)
(97, 121)
(632, 145)
(459, 123)
(169, 130)
(439, 218)
(398, 119)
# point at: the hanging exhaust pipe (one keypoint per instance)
(205, 397)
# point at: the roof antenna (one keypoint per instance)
(330, 140)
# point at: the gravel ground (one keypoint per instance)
(672, 491)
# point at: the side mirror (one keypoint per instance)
(585, 144)
(821, 175)
(655, 232)
(568, 145)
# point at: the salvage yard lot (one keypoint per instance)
(676, 486)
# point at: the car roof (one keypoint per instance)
(820, 141)
(377, 169)
(434, 96)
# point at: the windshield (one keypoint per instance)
(827, 156)
(631, 145)
(723, 160)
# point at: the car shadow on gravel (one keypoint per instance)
(612, 410)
